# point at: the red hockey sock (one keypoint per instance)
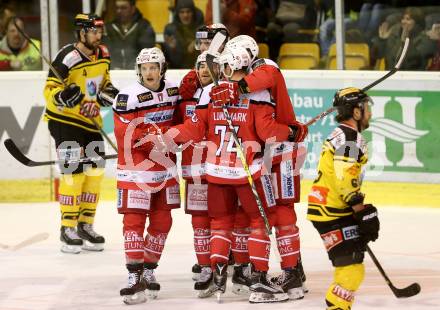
(221, 235)
(259, 245)
(160, 225)
(202, 234)
(288, 245)
(240, 236)
(133, 228)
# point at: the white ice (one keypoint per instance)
(40, 277)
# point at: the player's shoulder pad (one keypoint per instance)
(103, 51)
(337, 138)
(69, 56)
(263, 61)
(171, 88)
(204, 96)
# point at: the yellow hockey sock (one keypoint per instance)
(347, 279)
(69, 197)
(90, 195)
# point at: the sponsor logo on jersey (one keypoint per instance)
(350, 232)
(332, 239)
(69, 154)
(287, 190)
(120, 198)
(189, 110)
(173, 91)
(121, 102)
(268, 190)
(318, 194)
(91, 88)
(158, 116)
(138, 199)
(194, 118)
(173, 195)
(145, 97)
(72, 58)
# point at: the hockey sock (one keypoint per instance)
(259, 245)
(134, 225)
(346, 281)
(202, 234)
(221, 235)
(288, 245)
(160, 225)
(69, 197)
(90, 195)
(240, 236)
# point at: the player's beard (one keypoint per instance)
(92, 46)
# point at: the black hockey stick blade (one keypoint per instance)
(15, 151)
(392, 71)
(405, 292)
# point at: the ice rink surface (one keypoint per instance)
(40, 277)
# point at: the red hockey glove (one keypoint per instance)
(299, 132)
(225, 93)
(189, 85)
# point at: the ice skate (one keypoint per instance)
(71, 242)
(300, 268)
(290, 282)
(92, 241)
(231, 263)
(241, 279)
(152, 285)
(204, 285)
(263, 291)
(134, 293)
(196, 270)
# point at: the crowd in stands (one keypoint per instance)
(380, 25)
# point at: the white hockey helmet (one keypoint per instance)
(246, 42)
(238, 58)
(202, 58)
(154, 55)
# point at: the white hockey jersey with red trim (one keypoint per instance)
(253, 120)
(139, 111)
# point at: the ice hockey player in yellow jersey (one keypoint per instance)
(336, 204)
(74, 95)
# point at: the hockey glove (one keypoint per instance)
(225, 93)
(299, 132)
(368, 222)
(69, 97)
(89, 109)
(189, 85)
(106, 96)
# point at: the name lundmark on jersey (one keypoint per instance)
(235, 117)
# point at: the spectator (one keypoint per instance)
(128, 34)
(389, 41)
(15, 51)
(6, 11)
(179, 45)
(430, 45)
(237, 15)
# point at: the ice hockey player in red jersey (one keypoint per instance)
(253, 120)
(287, 159)
(193, 171)
(146, 180)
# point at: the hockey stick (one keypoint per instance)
(215, 45)
(59, 77)
(371, 85)
(18, 155)
(29, 241)
(405, 292)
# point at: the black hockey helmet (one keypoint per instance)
(346, 99)
(86, 21)
(208, 32)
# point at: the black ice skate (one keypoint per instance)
(92, 240)
(134, 293)
(263, 291)
(152, 285)
(204, 285)
(71, 242)
(219, 280)
(196, 270)
(300, 268)
(290, 281)
(241, 279)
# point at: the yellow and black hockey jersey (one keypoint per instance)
(340, 171)
(90, 73)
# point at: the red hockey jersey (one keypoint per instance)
(138, 111)
(253, 119)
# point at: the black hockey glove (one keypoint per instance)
(106, 96)
(69, 97)
(368, 222)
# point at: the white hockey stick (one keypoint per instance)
(27, 242)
